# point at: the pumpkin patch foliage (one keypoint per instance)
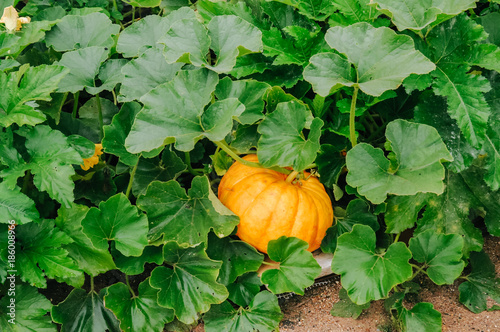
(166, 163)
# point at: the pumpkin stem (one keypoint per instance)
(291, 176)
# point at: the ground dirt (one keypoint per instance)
(311, 312)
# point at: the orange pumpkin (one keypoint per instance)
(270, 207)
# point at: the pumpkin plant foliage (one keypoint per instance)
(391, 110)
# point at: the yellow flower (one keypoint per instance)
(94, 160)
(12, 20)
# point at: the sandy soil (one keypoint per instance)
(311, 312)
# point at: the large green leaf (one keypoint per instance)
(85, 312)
(40, 253)
(139, 313)
(248, 92)
(169, 167)
(365, 273)
(20, 88)
(464, 91)
(440, 253)
(119, 221)
(145, 33)
(190, 287)
(416, 15)
(357, 212)
(353, 11)
(418, 152)
(145, 73)
(83, 65)
(110, 74)
(422, 317)
(131, 265)
(116, 133)
(296, 268)
(175, 109)
(492, 142)
(74, 32)
(90, 259)
(392, 58)
(432, 110)
(262, 314)
(30, 309)
(402, 211)
(449, 214)
(51, 159)
(14, 205)
(481, 284)
(317, 10)
(228, 36)
(283, 142)
(13, 44)
(237, 257)
(185, 218)
(244, 289)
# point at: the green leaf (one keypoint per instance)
(135, 265)
(231, 36)
(74, 32)
(330, 163)
(237, 257)
(250, 64)
(145, 3)
(19, 89)
(30, 311)
(175, 109)
(432, 110)
(366, 274)
(14, 205)
(449, 214)
(40, 253)
(119, 221)
(84, 66)
(145, 73)
(13, 44)
(50, 162)
(346, 308)
(89, 114)
(416, 15)
(283, 143)
(481, 284)
(489, 200)
(244, 289)
(116, 133)
(250, 93)
(440, 253)
(418, 151)
(392, 58)
(96, 186)
(186, 218)
(190, 287)
(169, 167)
(352, 11)
(422, 317)
(296, 269)
(139, 313)
(492, 143)
(317, 10)
(262, 314)
(91, 260)
(84, 312)
(110, 75)
(357, 213)
(402, 212)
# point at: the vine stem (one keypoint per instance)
(224, 146)
(91, 283)
(99, 110)
(132, 175)
(129, 287)
(396, 239)
(418, 270)
(352, 116)
(189, 167)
